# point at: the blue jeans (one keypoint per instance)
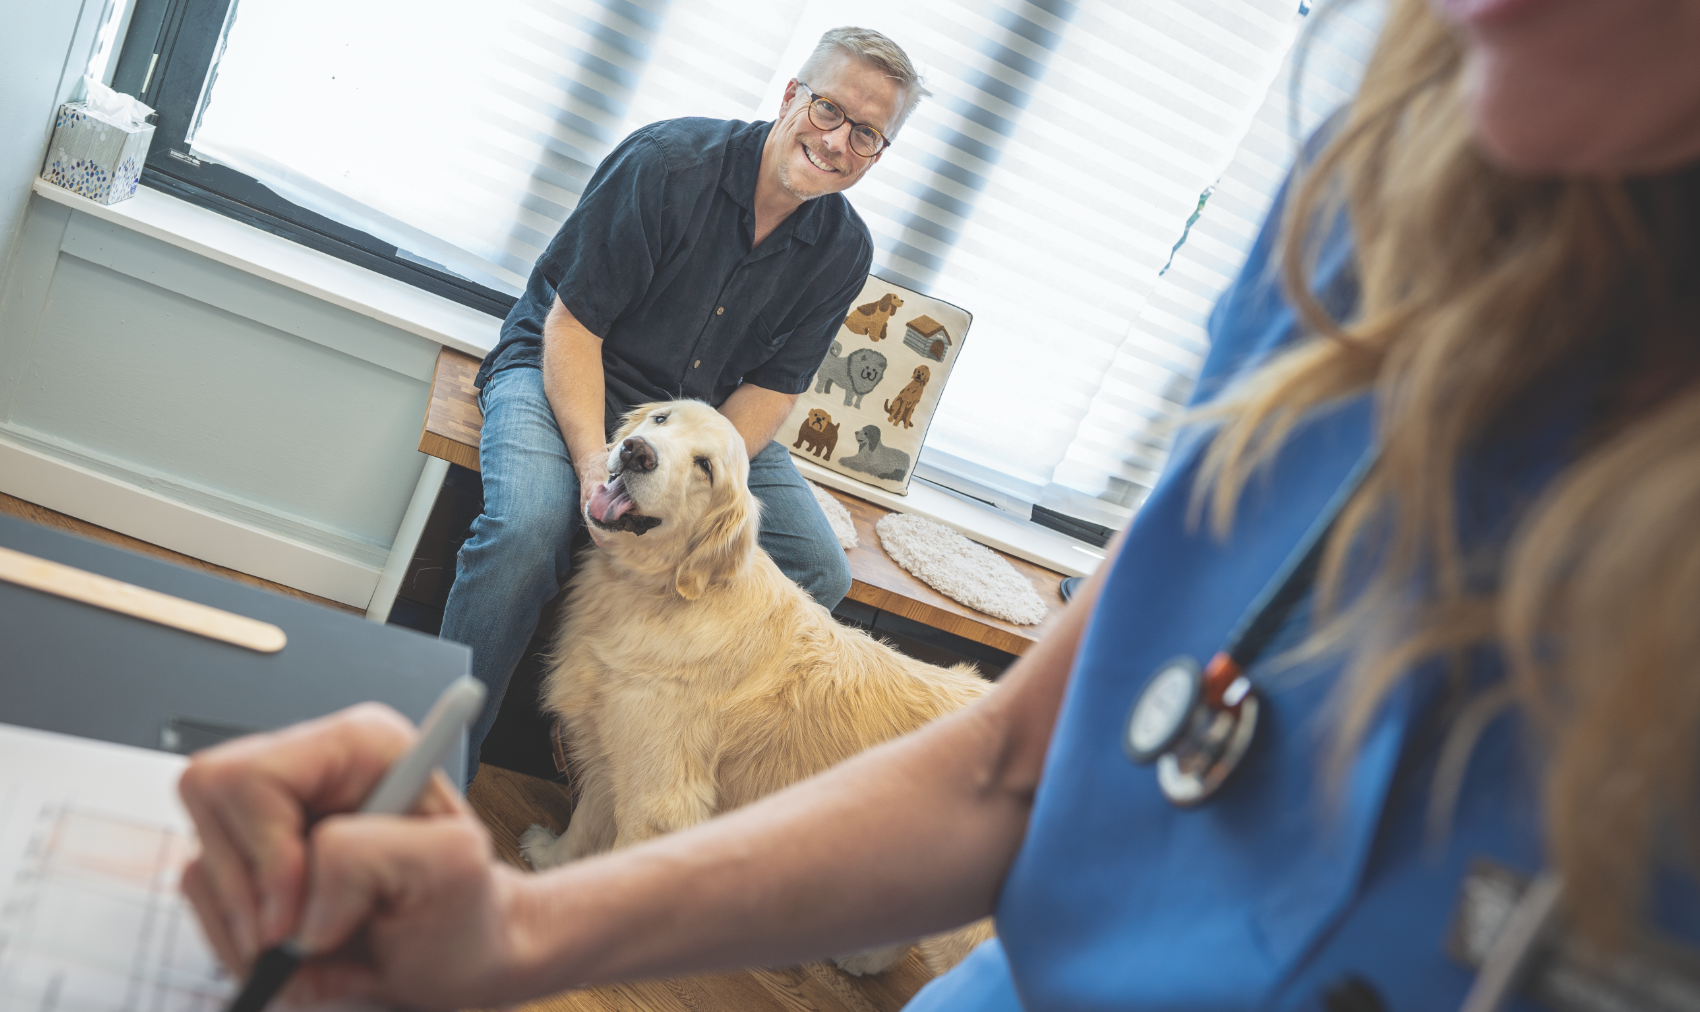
(520, 549)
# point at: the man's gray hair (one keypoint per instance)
(869, 45)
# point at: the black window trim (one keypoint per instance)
(165, 60)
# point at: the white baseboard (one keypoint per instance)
(107, 502)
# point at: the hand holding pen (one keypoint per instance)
(408, 909)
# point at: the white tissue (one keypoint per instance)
(115, 107)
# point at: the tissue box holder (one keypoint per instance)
(94, 157)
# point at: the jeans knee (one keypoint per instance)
(825, 576)
(519, 541)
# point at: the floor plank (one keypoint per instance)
(509, 802)
(24, 510)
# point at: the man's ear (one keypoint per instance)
(724, 538)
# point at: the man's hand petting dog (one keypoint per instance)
(592, 471)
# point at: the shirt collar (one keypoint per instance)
(743, 168)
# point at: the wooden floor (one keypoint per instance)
(509, 802)
(13, 506)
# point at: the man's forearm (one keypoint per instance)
(911, 838)
(572, 379)
(757, 412)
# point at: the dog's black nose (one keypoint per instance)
(635, 452)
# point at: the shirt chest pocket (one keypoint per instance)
(763, 333)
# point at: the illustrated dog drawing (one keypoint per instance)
(819, 431)
(886, 462)
(858, 373)
(900, 409)
(692, 676)
(873, 317)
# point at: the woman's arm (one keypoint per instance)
(909, 838)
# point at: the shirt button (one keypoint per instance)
(696, 363)
(722, 309)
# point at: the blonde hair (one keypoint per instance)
(1496, 310)
(868, 45)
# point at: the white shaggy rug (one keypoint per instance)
(837, 516)
(960, 569)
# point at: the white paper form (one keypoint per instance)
(92, 844)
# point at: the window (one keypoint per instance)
(1046, 187)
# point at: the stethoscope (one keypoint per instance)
(1196, 723)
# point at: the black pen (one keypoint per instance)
(396, 794)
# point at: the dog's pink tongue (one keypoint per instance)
(609, 502)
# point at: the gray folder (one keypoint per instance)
(78, 669)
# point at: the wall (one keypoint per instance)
(44, 45)
(158, 380)
(170, 397)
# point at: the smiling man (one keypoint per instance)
(711, 259)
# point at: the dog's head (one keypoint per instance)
(867, 368)
(677, 499)
(818, 419)
(868, 438)
(922, 374)
(890, 302)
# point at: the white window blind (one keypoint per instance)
(1123, 438)
(1043, 188)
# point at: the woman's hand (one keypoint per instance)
(409, 910)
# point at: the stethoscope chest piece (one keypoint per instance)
(1182, 722)
(1197, 723)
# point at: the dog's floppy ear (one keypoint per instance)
(725, 536)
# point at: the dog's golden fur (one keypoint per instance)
(693, 677)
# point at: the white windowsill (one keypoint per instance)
(292, 265)
(448, 323)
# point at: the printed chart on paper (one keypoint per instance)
(91, 919)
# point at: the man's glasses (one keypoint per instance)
(825, 115)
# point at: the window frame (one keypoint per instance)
(167, 60)
(167, 56)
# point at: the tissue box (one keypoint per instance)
(94, 156)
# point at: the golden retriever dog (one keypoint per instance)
(691, 676)
(871, 318)
(900, 409)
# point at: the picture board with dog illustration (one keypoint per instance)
(866, 411)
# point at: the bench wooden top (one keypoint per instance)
(453, 422)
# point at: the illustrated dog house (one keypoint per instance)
(927, 336)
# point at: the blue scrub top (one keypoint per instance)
(1276, 889)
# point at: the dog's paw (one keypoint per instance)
(537, 846)
(861, 964)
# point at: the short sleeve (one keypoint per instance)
(799, 352)
(602, 260)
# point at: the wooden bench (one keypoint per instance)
(453, 422)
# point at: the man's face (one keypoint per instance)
(811, 162)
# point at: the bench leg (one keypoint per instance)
(407, 538)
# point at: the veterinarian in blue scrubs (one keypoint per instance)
(1522, 314)
(708, 259)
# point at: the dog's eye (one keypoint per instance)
(660, 419)
(707, 468)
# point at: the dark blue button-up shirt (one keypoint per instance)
(656, 260)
